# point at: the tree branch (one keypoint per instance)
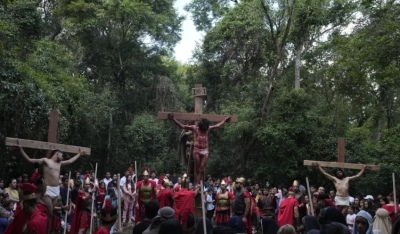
(271, 25)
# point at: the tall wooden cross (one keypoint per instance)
(341, 160)
(199, 92)
(51, 140)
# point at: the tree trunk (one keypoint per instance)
(297, 67)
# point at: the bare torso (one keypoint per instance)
(342, 186)
(200, 139)
(51, 172)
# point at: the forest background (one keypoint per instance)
(297, 73)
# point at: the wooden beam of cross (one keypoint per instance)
(341, 160)
(51, 140)
(53, 127)
(46, 145)
(199, 92)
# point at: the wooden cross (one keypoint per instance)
(341, 160)
(199, 92)
(51, 140)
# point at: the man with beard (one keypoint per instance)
(267, 204)
(51, 175)
(145, 191)
(341, 183)
(223, 205)
(242, 204)
(200, 150)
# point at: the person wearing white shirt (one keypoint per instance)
(122, 181)
(210, 204)
(350, 218)
(153, 177)
(108, 179)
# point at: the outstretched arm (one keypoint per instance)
(359, 174)
(329, 177)
(73, 159)
(179, 124)
(218, 125)
(31, 160)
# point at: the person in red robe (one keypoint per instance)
(289, 211)
(184, 203)
(108, 218)
(21, 218)
(224, 199)
(145, 191)
(83, 205)
(37, 220)
(166, 196)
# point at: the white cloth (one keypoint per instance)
(342, 201)
(106, 181)
(52, 192)
(155, 180)
(122, 181)
(350, 219)
(210, 205)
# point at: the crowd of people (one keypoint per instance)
(158, 203)
(49, 202)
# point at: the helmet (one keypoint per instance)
(240, 180)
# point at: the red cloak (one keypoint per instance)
(165, 198)
(184, 205)
(37, 223)
(20, 219)
(79, 204)
(101, 230)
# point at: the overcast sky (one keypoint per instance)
(185, 47)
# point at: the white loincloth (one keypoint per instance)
(342, 201)
(52, 192)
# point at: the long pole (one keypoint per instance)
(66, 204)
(394, 193)
(309, 197)
(119, 203)
(136, 172)
(93, 198)
(202, 206)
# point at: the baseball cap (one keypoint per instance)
(369, 197)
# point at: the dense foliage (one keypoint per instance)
(298, 74)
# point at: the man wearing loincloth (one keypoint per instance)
(51, 175)
(341, 183)
(200, 150)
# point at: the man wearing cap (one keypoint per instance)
(223, 205)
(20, 218)
(166, 196)
(341, 183)
(164, 214)
(145, 191)
(242, 204)
(37, 222)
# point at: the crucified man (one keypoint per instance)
(341, 183)
(200, 150)
(51, 175)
